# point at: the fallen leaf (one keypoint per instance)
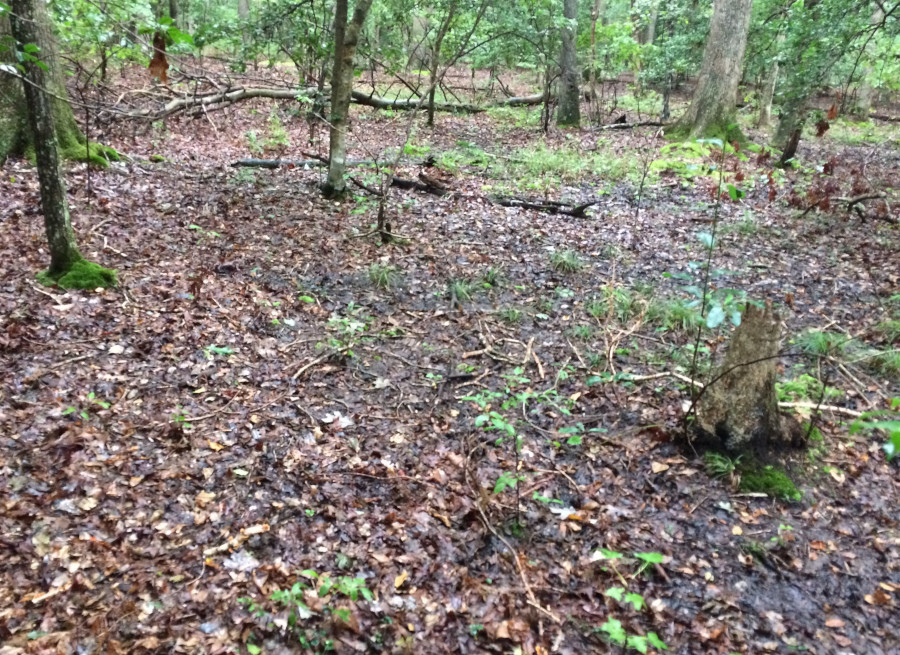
(400, 579)
(658, 467)
(834, 622)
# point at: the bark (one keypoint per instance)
(243, 9)
(765, 99)
(346, 36)
(650, 32)
(790, 128)
(569, 95)
(713, 107)
(15, 134)
(219, 99)
(739, 409)
(436, 59)
(63, 250)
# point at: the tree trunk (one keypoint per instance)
(650, 31)
(765, 100)
(64, 254)
(569, 95)
(346, 36)
(436, 59)
(790, 128)
(243, 9)
(712, 111)
(739, 410)
(15, 133)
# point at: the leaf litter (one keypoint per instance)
(248, 407)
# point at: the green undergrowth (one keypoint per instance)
(754, 476)
(768, 479)
(82, 275)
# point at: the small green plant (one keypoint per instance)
(718, 465)
(300, 620)
(179, 417)
(383, 276)
(582, 332)
(84, 411)
(460, 290)
(253, 144)
(890, 330)
(511, 315)
(566, 261)
(347, 329)
(211, 351)
(545, 499)
(615, 632)
(492, 277)
(805, 387)
(276, 135)
(887, 363)
(887, 420)
(507, 481)
(824, 344)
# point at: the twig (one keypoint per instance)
(303, 369)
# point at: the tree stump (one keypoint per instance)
(739, 410)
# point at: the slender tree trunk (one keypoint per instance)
(569, 95)
(346, 36)
(650, 31)
(713, 107)
(63, 250)
(790, 128)
(768, 92)
(243, 9)
(436, 59)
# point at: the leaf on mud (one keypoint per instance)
(658, 467)
(878, 598)
(400, 579)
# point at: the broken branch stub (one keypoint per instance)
(739, 410)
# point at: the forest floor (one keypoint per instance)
(270, 398)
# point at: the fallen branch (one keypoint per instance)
(295, 163)
(631, 126)
(548, 206)
(220, 99)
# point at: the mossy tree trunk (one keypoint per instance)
(15, 134)
(569, 112)
(713, 107)
(63, 250)
(346, 36)
(739, 410)
(65, 258)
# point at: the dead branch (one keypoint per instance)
(548, 206)
(220, 99)
(630, 126)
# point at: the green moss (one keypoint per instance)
(728, 133)
(157, 159)
(769, 480)
(96, 153)
(81, 275)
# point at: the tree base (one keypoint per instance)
(81, 275)
(727, 133)
(96, 154)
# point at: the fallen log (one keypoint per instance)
(214, 100)
(296, 163)
(631, 126)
